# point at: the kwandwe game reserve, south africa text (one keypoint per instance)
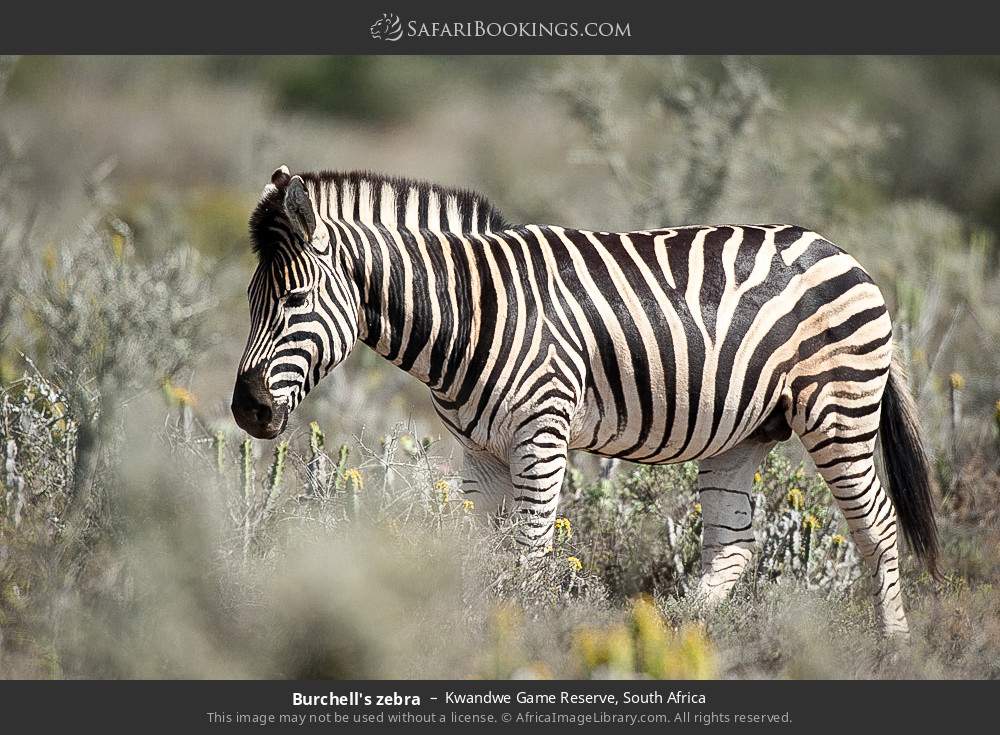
(508, 367)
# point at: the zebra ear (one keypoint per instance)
(281, 176)
(299, 208)
(279, 179)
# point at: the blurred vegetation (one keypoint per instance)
(142, 535)
(941, 110)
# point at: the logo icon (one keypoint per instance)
(387, 28)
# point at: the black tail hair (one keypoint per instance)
(908, 468)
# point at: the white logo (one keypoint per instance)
(387, 28)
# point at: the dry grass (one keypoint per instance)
(381, 571)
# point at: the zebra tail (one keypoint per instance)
(908, 468)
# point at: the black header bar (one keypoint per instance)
(510, 27)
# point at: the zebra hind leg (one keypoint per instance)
(724, 485)
(845, 458)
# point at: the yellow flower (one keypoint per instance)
(564, 529)
(796, 498)
(689, 655)
(575, 564)
(599, 648)
(184, 396)
(697, 509)
(118, 245)
(957, 381)
(408, 444)
(468, 506)
(49, 259)
(316, 438)
(442, 490)
(758, 478)
(837, 540)
(811, 522)
(354, 477)
(663, 653)
(177, 395)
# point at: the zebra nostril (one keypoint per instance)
(252, 405)
(261, 414)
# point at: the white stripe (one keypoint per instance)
(365, 201)
(387, 210)
(433, 211)
(412, 220)
(454, 218)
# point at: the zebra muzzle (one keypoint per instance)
(255, 409)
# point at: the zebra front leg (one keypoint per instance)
(537, 468)
(727, 541)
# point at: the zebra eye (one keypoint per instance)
(296, 299)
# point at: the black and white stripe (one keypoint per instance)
(658, 346)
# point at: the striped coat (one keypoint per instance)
(707, 343)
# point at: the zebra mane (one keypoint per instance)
(374, 199)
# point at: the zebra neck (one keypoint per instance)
(418, 255)
(421, 304)
(368, 200)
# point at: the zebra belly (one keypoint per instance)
(681, 427)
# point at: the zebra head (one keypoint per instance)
(303, 309)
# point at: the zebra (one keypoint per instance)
(707, 343)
